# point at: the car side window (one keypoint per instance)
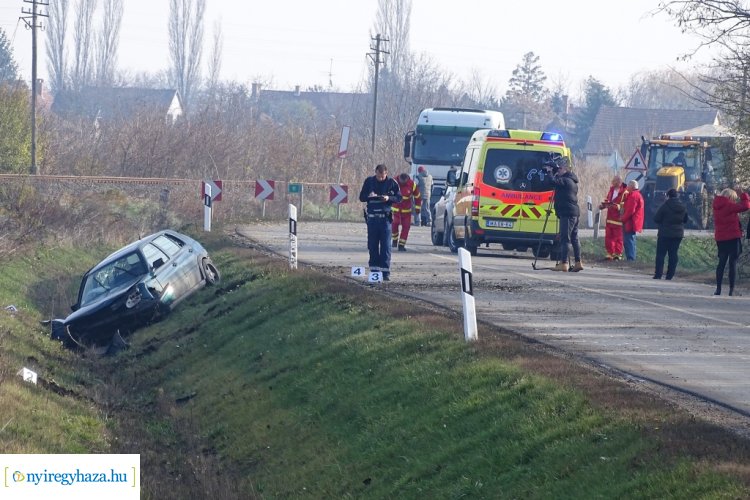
(168, 244)
(153, 254)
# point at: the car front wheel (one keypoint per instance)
(437, 237)
(210, 272)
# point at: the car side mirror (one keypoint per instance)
(74, 307)
(158, 263)
(450, 178)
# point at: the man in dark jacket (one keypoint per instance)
(380, 192)
(670, 218)
(565, 184)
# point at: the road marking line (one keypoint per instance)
(609, 294)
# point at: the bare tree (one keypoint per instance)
(108, 41)
(56, 32)
(393, 20)
(82, 38)
(726, 21)
(663, 89)
(214, 64)
(186, 45)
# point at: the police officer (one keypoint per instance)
(380, 192)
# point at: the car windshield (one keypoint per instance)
(516, 170)
(123, 271)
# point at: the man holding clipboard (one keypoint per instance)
(380, 192)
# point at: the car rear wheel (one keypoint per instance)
(210, 272)
(453, 243)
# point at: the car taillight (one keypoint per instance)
(475, 202)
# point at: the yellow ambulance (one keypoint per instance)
(503, 195)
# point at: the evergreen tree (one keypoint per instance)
(528, 80)
(596, 95)
(526, 103)
(8, 66)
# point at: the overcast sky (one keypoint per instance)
(308, 43)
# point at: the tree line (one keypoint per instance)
(228, 132)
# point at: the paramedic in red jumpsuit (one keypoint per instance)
(402, 211)
(613, 229)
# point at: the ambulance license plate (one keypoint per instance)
(500, 223)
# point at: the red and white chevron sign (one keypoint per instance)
(339, 194)
(264, 189)
(215, 189)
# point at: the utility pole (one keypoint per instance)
(376, 59)
(32, 23)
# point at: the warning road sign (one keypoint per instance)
(636, 162)
(215, 189)
(339, 194)
(264, 189)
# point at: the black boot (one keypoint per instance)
(718, 290)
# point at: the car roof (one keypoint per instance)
(136, 245)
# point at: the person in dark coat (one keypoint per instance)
(565, 183)
(380, 192)
(670, 218)
(728, 233)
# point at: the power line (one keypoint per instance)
(32, 22)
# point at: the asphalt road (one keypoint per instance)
(675, 333)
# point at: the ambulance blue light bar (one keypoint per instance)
(552, 136)
(499, 133)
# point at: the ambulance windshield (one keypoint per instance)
(516, 170)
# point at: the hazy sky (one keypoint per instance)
(305, 42)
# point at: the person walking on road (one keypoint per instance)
(728, 233)
(632, 219)
(613, 227)
(670, 219)
(424, 183)
(402, 211)
(380, 192)
(565, 184)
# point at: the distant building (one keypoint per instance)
(619, 129)
(339, 106)
(109, 104)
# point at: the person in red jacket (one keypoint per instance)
(613, 227)
(402, 211)
(728, 233)
(632, 219)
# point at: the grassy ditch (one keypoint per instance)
(278, 384)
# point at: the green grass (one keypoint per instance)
(277, 384)
(697, 254)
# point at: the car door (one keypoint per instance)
(183, 260)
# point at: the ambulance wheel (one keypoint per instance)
(469, 244)
(541, 252)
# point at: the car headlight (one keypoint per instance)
(133, 299)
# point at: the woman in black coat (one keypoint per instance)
(670, 218)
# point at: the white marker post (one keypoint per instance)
(207, 208)
(590, 208)
(292, 237)
(467, 295)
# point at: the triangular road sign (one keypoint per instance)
(636, 162)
